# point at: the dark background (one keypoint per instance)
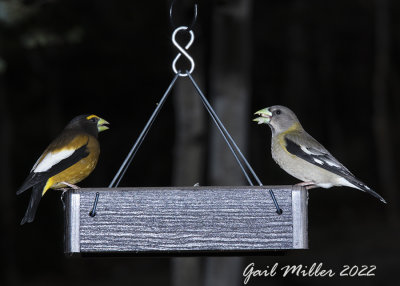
(335, 63)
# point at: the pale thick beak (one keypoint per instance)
(265, 116)
(102, 125)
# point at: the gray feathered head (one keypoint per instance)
(279, 118)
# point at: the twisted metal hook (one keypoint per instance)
(171, 17)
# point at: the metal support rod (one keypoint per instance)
(224, 132)
(128, 160)
(231, 142)
(121, 172)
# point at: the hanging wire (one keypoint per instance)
(122, 170)
(224, 132)
(128, 160)
(221, 129)
(231, 142)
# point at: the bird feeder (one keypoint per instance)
(186, 220)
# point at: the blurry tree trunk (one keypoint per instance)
(230, 89)
(7, 193)
(188, 165)
(230, 86)
(325, 76)
(297, 83)
(190, 131)
(382, 129)
(189, 149)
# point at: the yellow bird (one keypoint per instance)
(69, 159)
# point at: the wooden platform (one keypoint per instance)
(185, 220)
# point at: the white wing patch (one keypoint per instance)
(322, 159)
(332, 164)
(37, 162)
(51, 159)
(305, 150)
(318, 161)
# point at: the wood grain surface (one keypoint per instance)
(189, 220)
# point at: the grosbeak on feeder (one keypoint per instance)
(300, 155)
(69, 159)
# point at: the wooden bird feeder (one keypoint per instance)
(185, 221)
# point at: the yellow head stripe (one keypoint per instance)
(91, 116)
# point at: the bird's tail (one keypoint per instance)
(363, 187)
(33, 203)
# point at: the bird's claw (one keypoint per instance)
(72, 186)
(62, 197)
(307, 185)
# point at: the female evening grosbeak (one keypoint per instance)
(299, 154)
(69, 159)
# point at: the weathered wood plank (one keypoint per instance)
(185, 220)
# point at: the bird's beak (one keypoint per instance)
(265, 116)
(102, 125)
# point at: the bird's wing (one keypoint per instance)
(307, 148)
(52, 163)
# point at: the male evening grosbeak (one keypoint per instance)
(69, 159)
(300, 155)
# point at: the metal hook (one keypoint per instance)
(92, 213)
(183, 51)
(172, 21)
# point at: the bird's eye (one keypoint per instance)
(278, 112)
(93, 119)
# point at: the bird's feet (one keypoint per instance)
(308, 185)
(72, 186)
(62, 197)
